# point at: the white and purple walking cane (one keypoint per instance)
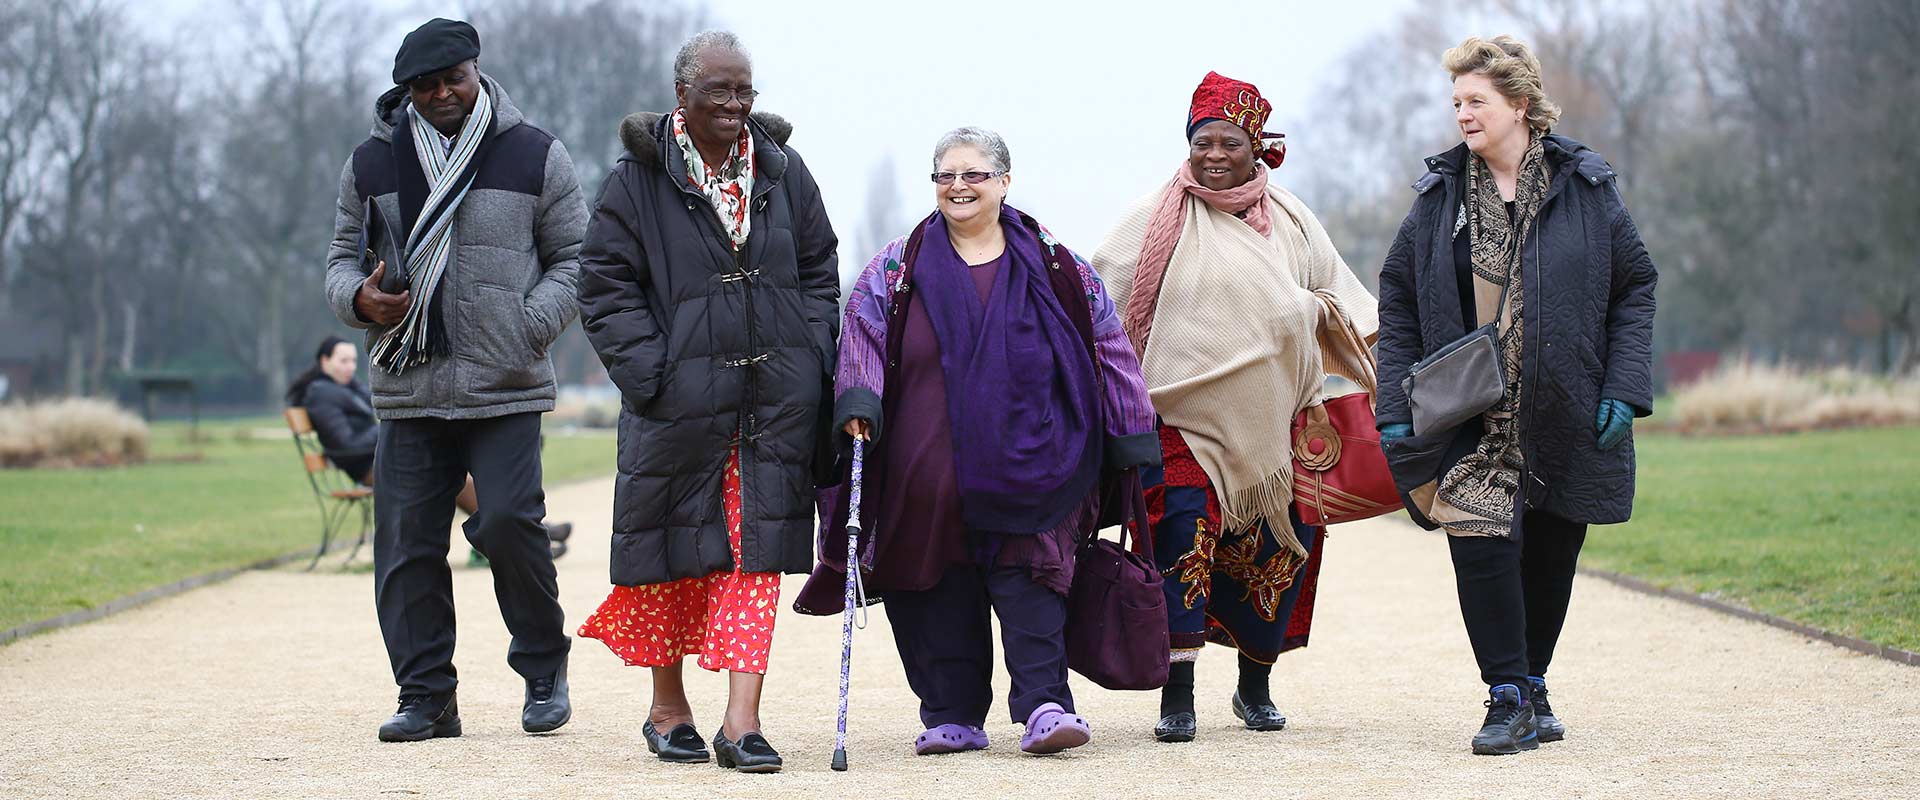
(856, 602)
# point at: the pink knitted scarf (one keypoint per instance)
(1246, 201)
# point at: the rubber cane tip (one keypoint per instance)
(839, 759)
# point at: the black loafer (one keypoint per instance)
(422, 717)
(682, 745)
(546, 707)
(751, 754)
(1177, 727)
(1259, 717)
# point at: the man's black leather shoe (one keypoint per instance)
(682, 745)
(423, 717)
(547, 707)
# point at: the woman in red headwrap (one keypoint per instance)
(1221, 277)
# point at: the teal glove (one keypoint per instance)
(1613, 422)
(1397, 430)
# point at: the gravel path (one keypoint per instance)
(271, 685)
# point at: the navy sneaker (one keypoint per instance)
(1551, 729)
(1510, 726)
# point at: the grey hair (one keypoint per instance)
(688, 62)
(987, 142)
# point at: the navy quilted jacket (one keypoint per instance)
(1589, 331)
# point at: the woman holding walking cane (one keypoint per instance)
(985, 365)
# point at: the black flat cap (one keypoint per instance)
(437, 45)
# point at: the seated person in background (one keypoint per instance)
(341, 409)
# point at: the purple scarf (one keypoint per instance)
(1021, 394)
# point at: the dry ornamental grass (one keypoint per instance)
(70, 432)
(1758, 398)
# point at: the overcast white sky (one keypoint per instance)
(1090, 96)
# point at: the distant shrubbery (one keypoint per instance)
(74, 432)
(585, 410)
(1755, 398)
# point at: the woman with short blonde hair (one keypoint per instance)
(1523, 231)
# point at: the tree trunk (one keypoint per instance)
(129, 335)
(97, 355)
(273, 351)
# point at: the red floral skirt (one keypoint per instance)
(726, 617)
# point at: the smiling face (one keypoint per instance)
(1488, 121)
(1220, 154)
(339, 365)
(445, 98)
(961, 202)
(716, 126)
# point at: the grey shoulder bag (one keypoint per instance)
(1458, 381)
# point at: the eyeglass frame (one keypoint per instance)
(962, 176)
(722, 95)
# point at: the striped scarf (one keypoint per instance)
(429, 251)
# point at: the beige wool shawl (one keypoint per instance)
(1235, 351)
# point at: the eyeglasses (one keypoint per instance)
(974, 177)
(724, 95)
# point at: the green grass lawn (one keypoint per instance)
(1821, 528)
(73, 539)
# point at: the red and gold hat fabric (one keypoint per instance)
(1219, 97)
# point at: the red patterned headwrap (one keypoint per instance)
(1223, 98)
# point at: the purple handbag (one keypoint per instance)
(1116, 611)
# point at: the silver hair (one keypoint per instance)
(687, 63)
(987, 142)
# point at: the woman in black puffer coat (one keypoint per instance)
(1519, 208)
(709, 286)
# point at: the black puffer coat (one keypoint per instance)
(1589, 332)
(708, 346)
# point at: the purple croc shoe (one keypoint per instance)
(950, 738)
(1050, 729)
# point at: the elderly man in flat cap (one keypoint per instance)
(455, 247)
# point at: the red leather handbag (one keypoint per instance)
(1339, 473)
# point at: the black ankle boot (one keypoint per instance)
(1551, 729)
(423, 717)
(1177, 720)
(1509, 727)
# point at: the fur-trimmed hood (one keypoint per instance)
(641, 133)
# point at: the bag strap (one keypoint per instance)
(1135, 515)
(1348, 345)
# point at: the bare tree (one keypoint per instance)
(68, 229)
(577, 68)
(297, 101)
(29, 46)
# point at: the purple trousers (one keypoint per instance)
(946, 643)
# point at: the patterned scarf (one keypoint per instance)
(727, 188)
(1477, 496)
(421, 334)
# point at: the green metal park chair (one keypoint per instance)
(337, 495)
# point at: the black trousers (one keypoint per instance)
(1514, 594)
(419, 466)
(946, 644)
